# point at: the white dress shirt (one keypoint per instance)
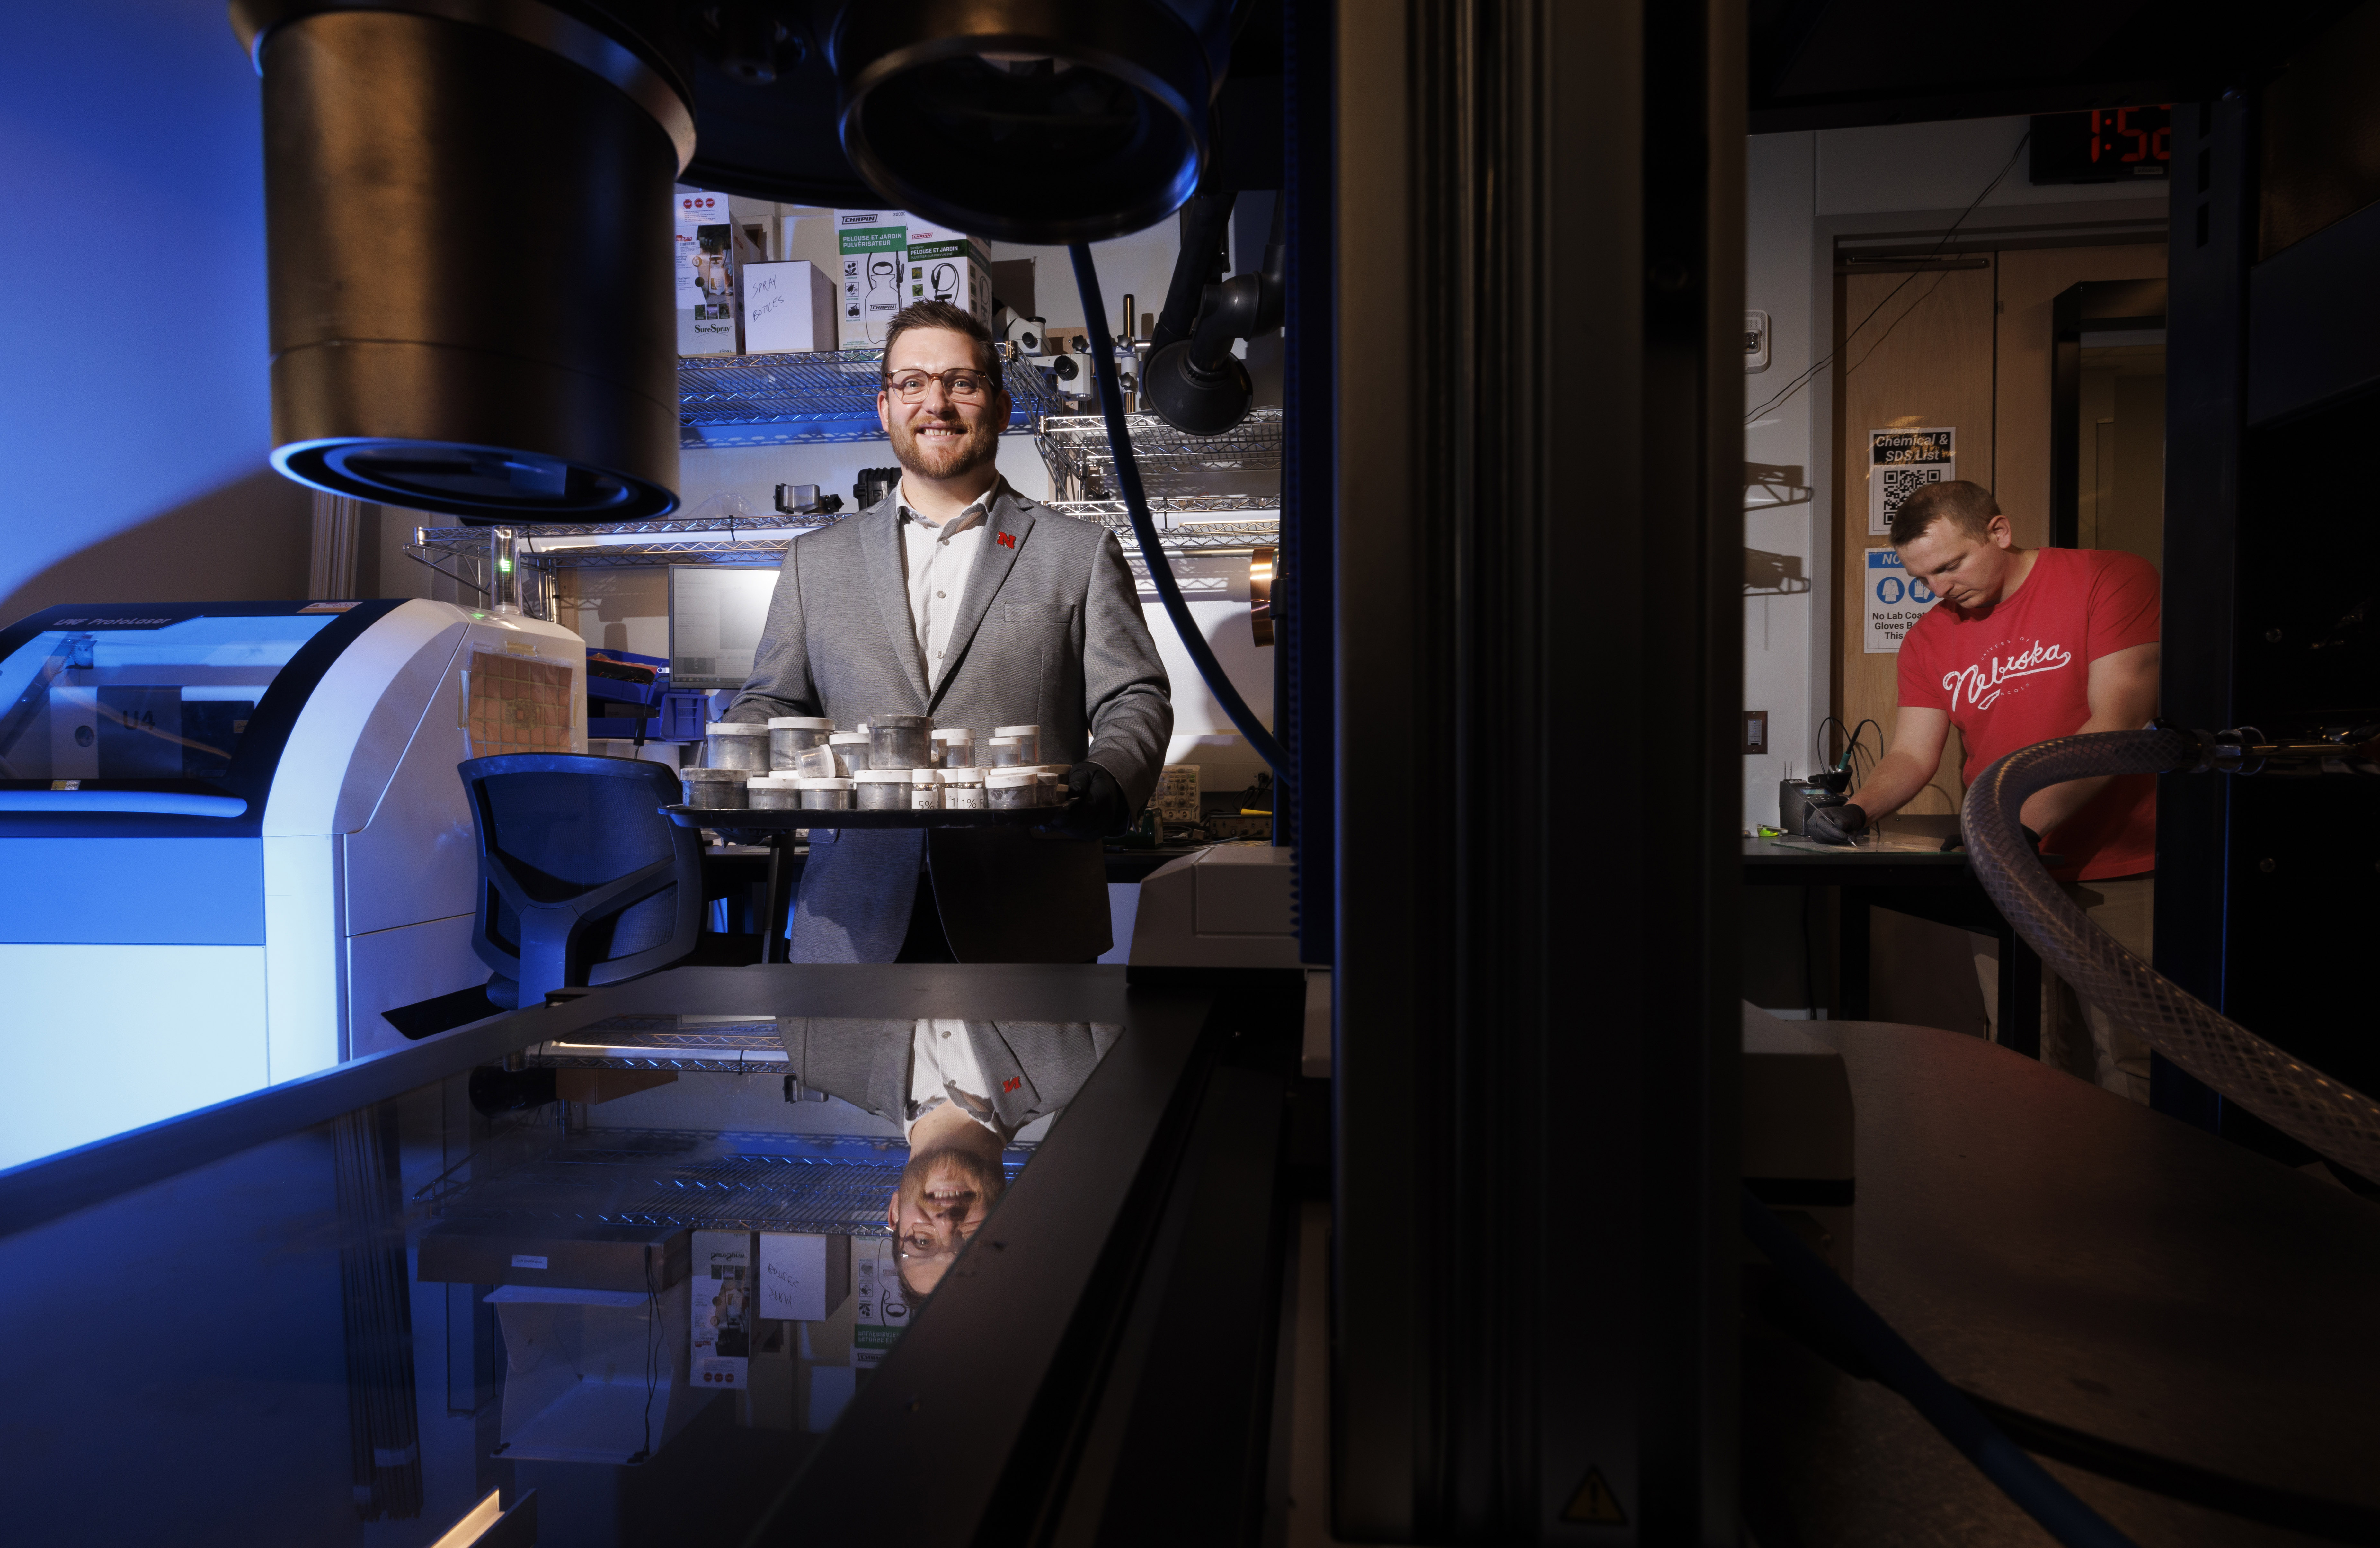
(942, 1067)
(940, 558)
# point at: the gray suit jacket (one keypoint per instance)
(1035, 1066)
(1049, 632)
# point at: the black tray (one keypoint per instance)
(757, 820)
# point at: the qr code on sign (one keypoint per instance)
(1899, 483)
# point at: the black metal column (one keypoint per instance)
(1539, 300)
(2206, 378)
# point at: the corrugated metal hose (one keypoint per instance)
(2313, 1108)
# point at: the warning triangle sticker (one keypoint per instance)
(1594, 1503)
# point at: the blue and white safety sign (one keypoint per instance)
(1894, 601)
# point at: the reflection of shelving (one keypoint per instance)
(831, 1184)
(1082, 467)
(784, 400)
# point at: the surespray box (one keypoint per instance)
(711, 253)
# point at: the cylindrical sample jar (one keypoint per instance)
(850, 752)
(900, 742)
(925, 790)
(772, 792)
(1006, 752)
(963, 790)
(827, 794)
(714, 788)
(737, 744)
(1030, 735)
(1053, 783)
(1007, 789)
(954, 748)
(883, 789)
(790, 736)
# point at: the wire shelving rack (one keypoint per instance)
(786, 401)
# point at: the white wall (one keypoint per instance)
(1785, 638)
(134, 420)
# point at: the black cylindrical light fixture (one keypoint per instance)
(469, 234)
(1031, 120)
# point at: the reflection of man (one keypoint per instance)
(957, 598)
(2025, 646)
(960, 1091)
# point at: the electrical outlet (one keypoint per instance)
(1756, 731)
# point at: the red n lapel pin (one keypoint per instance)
(1007, 540)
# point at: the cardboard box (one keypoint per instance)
(803, 1277)
(581, 1382)
(883, 1305)
(721, 1346)
(712, 253)
(874, 248)
(945, 265)
(891, 257)
(788, 308)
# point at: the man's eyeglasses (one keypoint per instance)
(959, 386)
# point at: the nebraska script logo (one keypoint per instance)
(1986, 681)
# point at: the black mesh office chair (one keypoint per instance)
(582, 880)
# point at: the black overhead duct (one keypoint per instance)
(468, 212)
(1032, 120)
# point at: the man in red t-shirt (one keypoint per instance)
(2027, 645)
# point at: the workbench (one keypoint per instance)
(1911, 874)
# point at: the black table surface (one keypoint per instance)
(738, 864)
(2062, 1252)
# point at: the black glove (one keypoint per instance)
(1095, 805)
(1958, 839)
(1834, 824)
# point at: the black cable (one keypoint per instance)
(1152, 553)
(652, 1351)
(1943, 1406)
(1806, 377)
(1825, 758)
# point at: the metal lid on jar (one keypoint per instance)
(734, 728)
(715, 776)
(799, 723)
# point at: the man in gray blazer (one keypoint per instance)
(958, 598)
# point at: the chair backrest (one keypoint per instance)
(582, 879)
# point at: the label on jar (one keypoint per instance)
(964, 798)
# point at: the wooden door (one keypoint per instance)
(2029, 281)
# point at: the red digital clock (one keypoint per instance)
(2103, 145)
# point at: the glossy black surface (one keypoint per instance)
(248, 1301)
(2063, 1253)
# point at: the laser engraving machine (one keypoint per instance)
(233, 837)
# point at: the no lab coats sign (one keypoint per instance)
(1894, 601)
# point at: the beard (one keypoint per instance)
(984, 1181)
(948, 459)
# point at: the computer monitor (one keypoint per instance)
(715, 615)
